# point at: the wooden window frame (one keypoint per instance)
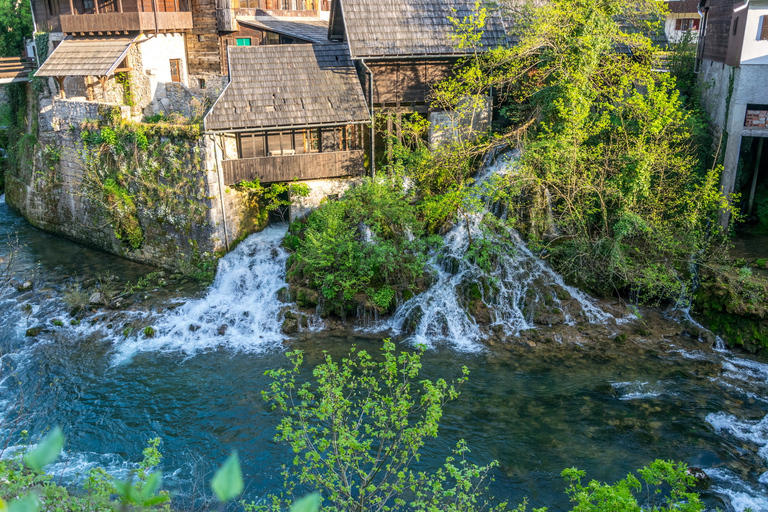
(175, 77)
(309, 140)
(764, 32)
(238, 39)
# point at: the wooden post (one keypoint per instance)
(60, 81)
(72, 7)
(119, 5)
(88, 88)
(96, 6)
(103, 81)
(754, 176)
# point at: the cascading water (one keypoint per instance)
(520, 282)
(240, 309)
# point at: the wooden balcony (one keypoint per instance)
(307, 166)
(121, 22)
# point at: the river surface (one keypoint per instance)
(607, 411)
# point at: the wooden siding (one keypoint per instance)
(308, 166)
(204, 56)
(125, 22)
(719, 44)
(403, 83)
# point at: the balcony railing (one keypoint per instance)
(126, 22)
(306, 166)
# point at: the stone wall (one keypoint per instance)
(54, 192)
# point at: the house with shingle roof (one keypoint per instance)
(305, 111)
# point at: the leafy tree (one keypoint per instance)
(16, 23)
(622, 495)
(358, 430)
(614, 183)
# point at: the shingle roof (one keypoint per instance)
(410, 27)
(683, 6)
(288, 85)
(97, 56)
(313, 30)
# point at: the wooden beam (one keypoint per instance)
(103, 80)
(60, 81)
(88, 88)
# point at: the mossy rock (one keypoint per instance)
(307, 298)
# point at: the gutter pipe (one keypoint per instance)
(370, 104)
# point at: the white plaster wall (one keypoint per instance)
(674, 36)
(156, 54)
(319, 190)
(755, 51)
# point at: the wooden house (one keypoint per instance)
(290, 112)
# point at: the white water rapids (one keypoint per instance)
(440, 312)
(240, 309)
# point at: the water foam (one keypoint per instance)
(239, 311)
(742, 495)
(439, 314)
(755, 432)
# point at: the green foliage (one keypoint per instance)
(123, 213)
(364, 247)
(124, 79)
(16, 20)
(146, 180)
(622, 495)
(277, 197)
(613, 181)
(734, 303)
(46, 451)
(227, 483)
(358, 429)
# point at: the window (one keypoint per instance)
(201, 38)
(202, 83)
(686, 24)
(243, 41)
(347, 137)
(312, 141)
(176, 70)
(735, 25)
(271, 38)
(764, 32)
(251, 145)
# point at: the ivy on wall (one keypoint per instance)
(141, 177)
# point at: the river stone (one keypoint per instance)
(96, 298)
(222, 330)
(702, 479)
(24, 287)
(290, 325)
(284, 295)
(34, 331)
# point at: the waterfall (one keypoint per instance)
(521, 292)
(240, 309)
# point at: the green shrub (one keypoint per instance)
(362, 248)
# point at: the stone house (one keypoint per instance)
(732, 62)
